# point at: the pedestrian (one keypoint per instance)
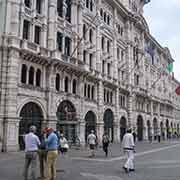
(43, 154)
(150, 135)
(134, 135)
(63, 143)
(91, 139)
(31, 148)
(159, 136)
(129, 149)
(52, 154)
(105, 143)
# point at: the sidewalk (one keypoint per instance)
(115, 150)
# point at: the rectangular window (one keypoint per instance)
(68, 10)
(67, 46)
(122, 75)
(38, 6)
(122, 56)
(90, 61)
(27, 3)
(103, 67)
(109, 68)
(59, 41)
(118, 53)
(84, 56)
(136, 78)
(60, 8)
(37, 34)
(26, 27)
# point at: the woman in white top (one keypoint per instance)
(63, 144)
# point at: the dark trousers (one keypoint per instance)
(42, 162)
(30, 160)
(159, 138)
(105, 148)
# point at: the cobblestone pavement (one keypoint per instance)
(156, 161)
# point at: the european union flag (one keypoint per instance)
(150, 49)
(146, 1)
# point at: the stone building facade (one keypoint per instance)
(77, 65)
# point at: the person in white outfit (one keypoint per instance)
(91, 139)
(129, 149)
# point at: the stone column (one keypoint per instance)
(79, 30)
(100, 131)
(100, 123)
(116, 132)
(51, 106)
(51, 24)
(15, 6)
(82, 132)
(10, 77)
(117, 117)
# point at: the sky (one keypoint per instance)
(163, 18)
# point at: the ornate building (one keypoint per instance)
(78, 65)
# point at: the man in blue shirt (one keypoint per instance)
(52, 148)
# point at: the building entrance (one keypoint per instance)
(31, 114)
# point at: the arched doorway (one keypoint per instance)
(123, 126)
(155, 128)
(149, 130)
(31, 114)
(167, 129)
(90, 120)
(140, 128)
(108, 123)
(67, 120)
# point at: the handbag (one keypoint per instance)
(66, 146)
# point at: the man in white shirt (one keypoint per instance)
(128, 146)
(31, 147)
(91, 139)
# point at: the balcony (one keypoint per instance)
(30, 46)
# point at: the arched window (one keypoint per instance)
(87, 3)
(92, 92)
(84, 31)
(85, 89)
(31, 75)
(91, 5)
(57, 82)
(38, 78)
(90, 35)
(66, 84)
(74, 86)
(89, 91)
(23, 73)
(101, 12)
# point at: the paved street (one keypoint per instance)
(153, 162)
